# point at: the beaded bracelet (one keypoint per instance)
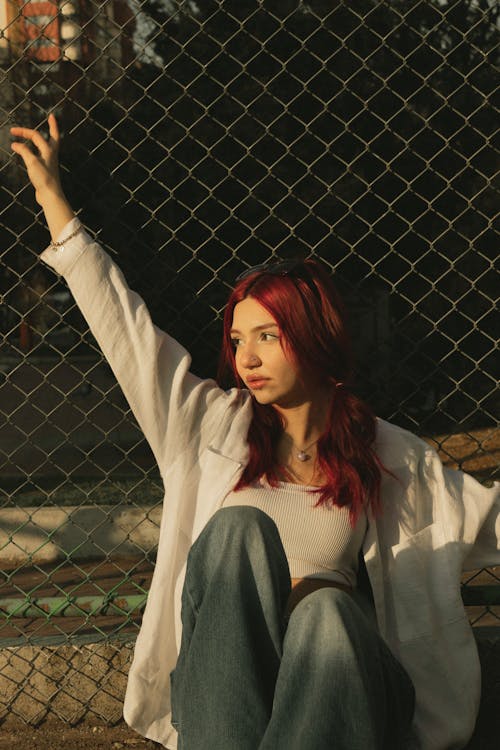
(56, 245)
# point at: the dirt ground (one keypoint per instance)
(59, 736)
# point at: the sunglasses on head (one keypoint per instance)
(280, 268)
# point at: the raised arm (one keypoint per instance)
(43, 171)
(171, 405)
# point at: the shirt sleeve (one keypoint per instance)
(171, 404)
(485, 551)
(469, 512)
(426, 493)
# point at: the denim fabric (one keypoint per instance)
(249, 679)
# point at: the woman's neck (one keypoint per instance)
(305, 422)
(296, 450)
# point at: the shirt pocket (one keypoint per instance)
(425, 591)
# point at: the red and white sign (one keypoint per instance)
(41, 30)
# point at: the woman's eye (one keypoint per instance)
(270, 337)
(235, 342)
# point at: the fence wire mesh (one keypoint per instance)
(199, 138)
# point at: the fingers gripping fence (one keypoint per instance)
(199, 138)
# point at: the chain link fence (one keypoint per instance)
(199, 138)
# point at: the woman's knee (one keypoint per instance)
(329, 616)
(238, 523)
(324, 602)
(234, 534)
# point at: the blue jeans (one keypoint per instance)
(249, 679)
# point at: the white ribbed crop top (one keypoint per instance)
(318, 542)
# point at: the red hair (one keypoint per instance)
(312, 323)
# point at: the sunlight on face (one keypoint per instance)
(260, 359)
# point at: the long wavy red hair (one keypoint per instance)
(312, 323)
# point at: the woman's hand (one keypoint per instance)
(43, 172)
(43, 168)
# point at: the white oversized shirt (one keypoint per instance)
(435, 522)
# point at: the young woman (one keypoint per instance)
(256, 635)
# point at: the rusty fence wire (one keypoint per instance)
(201, 137)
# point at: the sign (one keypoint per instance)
(41, 30)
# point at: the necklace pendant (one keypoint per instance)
(303, 456)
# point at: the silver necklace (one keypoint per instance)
(303, 455)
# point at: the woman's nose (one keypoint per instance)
(249, 358)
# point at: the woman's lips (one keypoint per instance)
(256, 383)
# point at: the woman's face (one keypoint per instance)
(261, 361)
